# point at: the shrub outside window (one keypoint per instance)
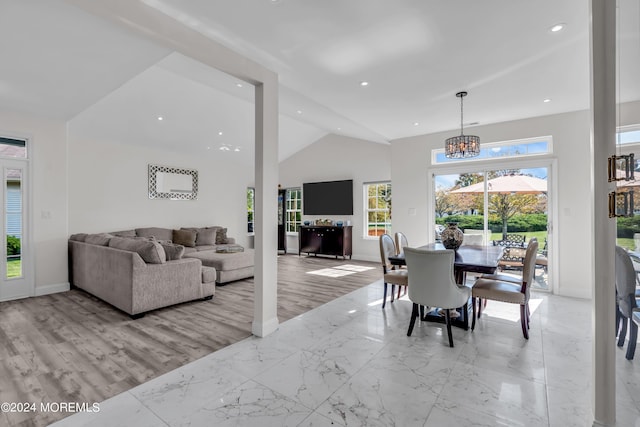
(250, 207)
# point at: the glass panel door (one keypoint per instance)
(498, 206)
(453, 204)
(14, 282)
(13, 222)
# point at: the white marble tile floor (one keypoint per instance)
(350, 363)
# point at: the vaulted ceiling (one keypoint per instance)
(110, 83)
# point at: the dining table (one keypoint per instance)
(478, 259)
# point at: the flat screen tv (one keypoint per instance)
(327, 198)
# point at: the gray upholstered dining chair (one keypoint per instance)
(508, 291)
(625, 301)
(392, 274)
(401, 242)
(431, 283)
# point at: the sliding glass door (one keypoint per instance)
(498, 204)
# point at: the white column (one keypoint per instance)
(165, 30)
(603, 127)
(265, 318)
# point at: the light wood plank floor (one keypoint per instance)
(72, 347)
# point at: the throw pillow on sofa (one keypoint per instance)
(221, 237)
(185, 238)
(172, 250)
(78, 237)
(149, 250)
(100, 239)
(204, 236)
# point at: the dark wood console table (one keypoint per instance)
(325, 240)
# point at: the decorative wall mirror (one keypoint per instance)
(172, 183)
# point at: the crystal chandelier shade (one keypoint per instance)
(461, 146)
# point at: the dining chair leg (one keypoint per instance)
(623, 332)
(399, 289)
(523, 321)
(393, 290)
(465, 315)
(479, 307)
(528, 316)
(414, 314)
(447, 319)
(384, 295)
(473, 314)
(422, 312)
(633, 337)
(618, 319)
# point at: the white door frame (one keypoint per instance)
(551, 163)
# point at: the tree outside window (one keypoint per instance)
(250, 208)
(294, 209)
(377, 208)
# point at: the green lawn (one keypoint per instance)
(540, 235)
(14, 268)
(626, 243)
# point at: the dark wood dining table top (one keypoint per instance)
(469, 258)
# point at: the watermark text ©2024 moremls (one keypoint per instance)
(66, 407)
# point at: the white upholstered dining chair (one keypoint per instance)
(431, 283)
(513, 291)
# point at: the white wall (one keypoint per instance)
(410, 167)
(108, 189)
(336, 157)
(48, 208)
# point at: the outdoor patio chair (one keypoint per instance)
(514, 252)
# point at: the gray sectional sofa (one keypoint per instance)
(148, 268)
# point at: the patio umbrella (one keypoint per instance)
(505, 186)
(508, 184)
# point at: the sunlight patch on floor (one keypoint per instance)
(340, 270)
(510, 312)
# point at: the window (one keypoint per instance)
(628, 135)
(501, 150)
(377, 209)
(12, 147)
(294, 210)
(250, 205)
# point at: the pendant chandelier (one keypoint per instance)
(461, 146)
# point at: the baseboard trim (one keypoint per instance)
(52, 288)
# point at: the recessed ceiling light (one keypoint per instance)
(339, 128)
(160, 118)
(220, 133)
(224, 148)
(546, 100)
(237, 149)
(299, 111)
(364, 83)
(557, 27)
(239, 84)
(416, 123)
(208, 148)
